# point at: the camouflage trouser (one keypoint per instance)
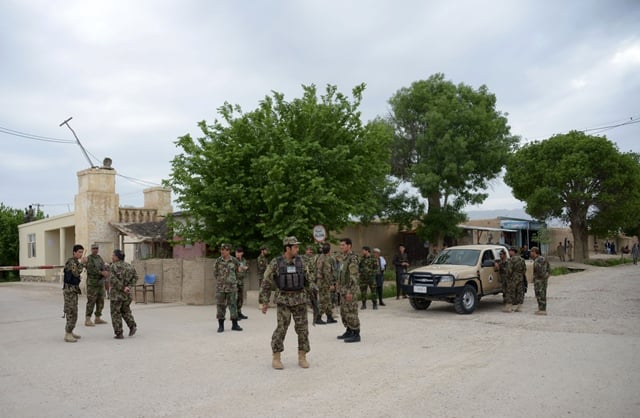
(95, 298)
(301, 326)
(121, 309)
(70, 294)
(371, 285)
(513, 291)
(224, 299)
(240, 300)
(540, 286)
(326, 304)
(349, 313)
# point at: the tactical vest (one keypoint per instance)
(290, 277)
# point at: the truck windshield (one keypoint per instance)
(458, 257)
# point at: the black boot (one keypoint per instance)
(235, 326)
(354, 338)
(364, 304)
(375, 305)
(242, 316)
(319, 320)
(346, 334)
(220, 325)
(330, 320)
(380, 296)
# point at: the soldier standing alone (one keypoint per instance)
(368, 269)
(516, 269)
(288, 273)
(224, 271)
(95, 287)
(123, 279)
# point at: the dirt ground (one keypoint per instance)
(581, 361)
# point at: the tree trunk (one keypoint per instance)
(434, 206)
(580, 242)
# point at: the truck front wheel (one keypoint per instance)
(419, 304)
(466, 302)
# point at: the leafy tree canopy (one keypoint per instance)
(581, 179)
(255, 177)
(450, 141)
(9, 239)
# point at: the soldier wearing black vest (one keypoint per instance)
(287, 275)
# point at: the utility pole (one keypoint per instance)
(66, 122)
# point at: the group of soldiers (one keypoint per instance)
(323, 280)
(118, 277)
(514, 281)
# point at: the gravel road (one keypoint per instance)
(581, 361)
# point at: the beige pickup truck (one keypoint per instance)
(460, 275)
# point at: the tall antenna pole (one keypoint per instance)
(66, 122)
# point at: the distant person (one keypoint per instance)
(71, 289)
(560, 251)
(348, 288)
(401, 262)
(225, 272)
(262, 262)
(123, 280)
(382, 265)
(635, 250)
(288, 275)
(525, 253)
(541, 272)
(367, 279)
(95, 287)
(570, 250)
(501, 268)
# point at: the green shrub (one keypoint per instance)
(608, 262)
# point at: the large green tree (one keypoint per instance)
(450, 141)
(255, 177)
(582, 179)
(9, 221)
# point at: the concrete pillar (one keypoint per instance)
(158, 198)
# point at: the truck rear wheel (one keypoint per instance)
(466, 302)
(419, 304)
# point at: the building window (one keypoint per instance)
(31, 245)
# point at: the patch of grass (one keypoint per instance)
(608, 262)
(559, 271)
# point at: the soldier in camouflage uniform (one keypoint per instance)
(514, 292)
(541, 272)
(368, 269)
(95, 287)
(348, 276)
(262, 262)
(225, 272)
(325, 279)
(71, 289)
(288, 274)
(501, 268)
(243, 269)
(123, 280)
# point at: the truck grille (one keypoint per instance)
(425, 279)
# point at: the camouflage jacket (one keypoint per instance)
(501, 268)
(283, 298)
(75, 267)
(349, 274)
(368, 268)
(262, 262)
(516, 268)
(541, 268)
(325, 275)
(225, 273)
(241, 275)
(122, 275)
(95, 266)
(310, 262)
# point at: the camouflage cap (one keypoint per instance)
(94, 245)
(290, 241)
(225, 246)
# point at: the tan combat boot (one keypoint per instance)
(88, 322)
(68, 337)
(518, 308)
(100, 321)
(541, 312)
(507, 307)
(77, 337)
(302, 359)
(276, 363)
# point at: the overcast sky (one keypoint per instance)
(135, 75)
